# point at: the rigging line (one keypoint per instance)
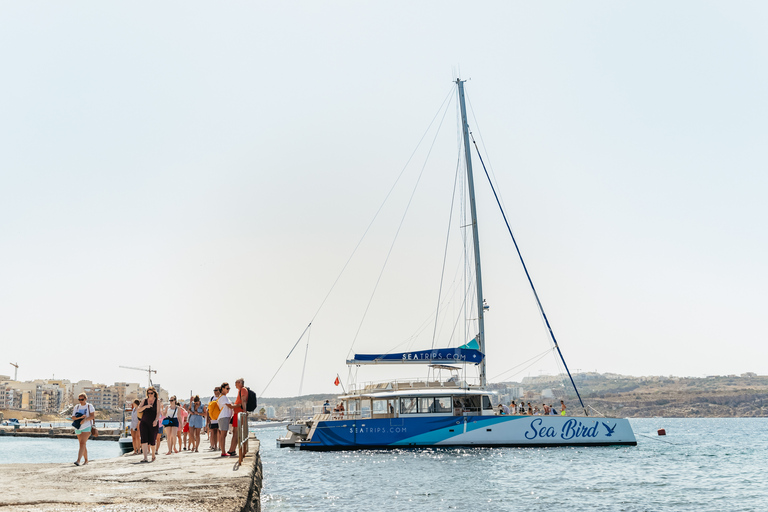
(530, 281)
(286, 358)
(399, 227)
(537, 357)
(445, 252)
(304, 368)
(656, 439)
(386, 198)
(354, 251)
(532, 363)
(480, 135)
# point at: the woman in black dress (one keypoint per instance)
(148, 422)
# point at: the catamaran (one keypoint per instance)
(447, 412)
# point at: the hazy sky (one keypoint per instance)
(181, 183)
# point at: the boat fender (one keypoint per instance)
(661, 432)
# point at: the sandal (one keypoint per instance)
(77, 463)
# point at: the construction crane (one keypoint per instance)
(149, 371)
(15, 371)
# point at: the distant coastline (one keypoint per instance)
(730, 396)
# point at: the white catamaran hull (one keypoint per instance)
(468, 431)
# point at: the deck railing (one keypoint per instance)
(405, 384)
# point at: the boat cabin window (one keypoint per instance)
(353, 407)
(380, 407)
(443, 404)
(425, 405)
(408, 406)
(470, 404)
(487, 402)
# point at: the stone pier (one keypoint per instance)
(183, 481)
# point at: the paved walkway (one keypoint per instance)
(183, 481)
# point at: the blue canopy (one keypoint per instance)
(438, 355)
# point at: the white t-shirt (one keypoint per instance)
(87, 410)
(226, 412)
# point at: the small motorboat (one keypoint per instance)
(126, 443)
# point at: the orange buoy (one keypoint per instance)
(662, 432)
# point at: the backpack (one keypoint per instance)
(214, 410)
(252, 402)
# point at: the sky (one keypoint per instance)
(182, 183)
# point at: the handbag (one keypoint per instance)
(166, 422)
(94, 432)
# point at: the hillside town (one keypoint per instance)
(55, 396)
(609, 394)
(744, 395)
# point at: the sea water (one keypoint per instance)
(34, 450)
(708, 465)
(700, 465)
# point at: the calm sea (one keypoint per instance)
(701, 465)
(707, 465)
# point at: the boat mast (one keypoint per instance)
(473, 210)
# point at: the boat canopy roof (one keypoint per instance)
(444, 367)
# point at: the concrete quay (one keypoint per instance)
(184, 481)
(57, 432)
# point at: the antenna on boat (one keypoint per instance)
(473, 210)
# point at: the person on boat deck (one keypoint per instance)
(562, 408)
(327, 407)
(85, 413)
(501, 410)
(530, 409)
(505, 408)
(536, 411)
(552, 411)
(546, 409)
(512, 407)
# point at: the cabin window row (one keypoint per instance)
(426, 405)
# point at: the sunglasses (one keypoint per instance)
(81, 399)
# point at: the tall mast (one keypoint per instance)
(473, 210)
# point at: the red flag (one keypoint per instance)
(337, 381)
